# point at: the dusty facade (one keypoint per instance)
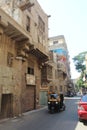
(23, 51)
(58, 46)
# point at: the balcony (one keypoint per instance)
(17, 33)
(39, 51)
(12, 29)
(46, 73)
(61, 66)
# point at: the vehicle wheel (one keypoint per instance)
(58, 108)
(80, 120)
(64, 107)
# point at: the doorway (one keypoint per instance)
(6, 105)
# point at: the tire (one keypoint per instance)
(64, 107)
(80, 120)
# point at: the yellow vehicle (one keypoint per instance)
(55, 102)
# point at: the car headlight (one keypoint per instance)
(48, 102)
(56, 102)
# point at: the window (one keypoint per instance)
(28, 24)
(31, 71)
(55, 42)
(41, 25)
(54, 96)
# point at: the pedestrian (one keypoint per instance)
(61, 99)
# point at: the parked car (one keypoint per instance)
(69, 95)
(82, 108)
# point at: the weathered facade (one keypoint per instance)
(48, 78)
(23, 52)
(58, 46)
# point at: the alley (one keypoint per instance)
(43, 120)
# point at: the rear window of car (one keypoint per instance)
(84, 98)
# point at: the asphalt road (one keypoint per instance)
(43, 120)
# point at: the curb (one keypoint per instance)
(23, 114)
(4, 120)
(36, 110)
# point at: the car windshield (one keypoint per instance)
(53, 96)
(84, 98)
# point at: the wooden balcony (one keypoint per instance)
(17, 33)
(46, 73)
(12, 29)
(39, 51)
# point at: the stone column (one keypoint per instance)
(18, 88)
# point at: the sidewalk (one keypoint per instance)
(23, 114)
(36, 110)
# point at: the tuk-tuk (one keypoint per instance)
(55, 102)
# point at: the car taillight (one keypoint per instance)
(80, 107)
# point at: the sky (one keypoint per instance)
(68, 18)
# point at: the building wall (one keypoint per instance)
(13, 79)
(58, 45)
(20, 17)
(10, 80)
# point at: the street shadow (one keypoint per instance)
(85, 122)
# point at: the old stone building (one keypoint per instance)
(23, 53)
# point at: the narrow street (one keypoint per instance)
(43, 120)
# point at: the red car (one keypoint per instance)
(82, 108)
